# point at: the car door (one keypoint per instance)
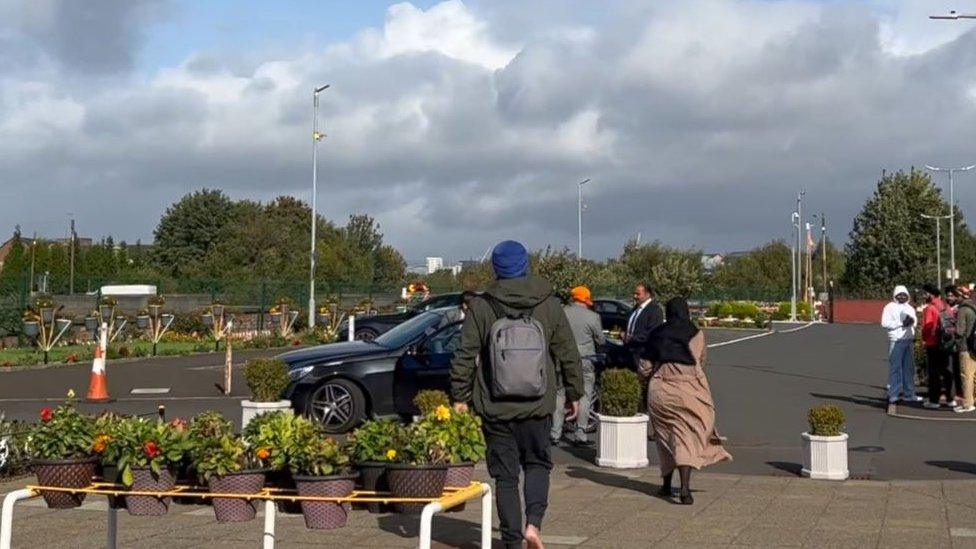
(427, 365)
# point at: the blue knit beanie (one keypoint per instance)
(510, 260)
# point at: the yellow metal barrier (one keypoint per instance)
(451, 497)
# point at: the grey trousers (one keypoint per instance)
(583, 421)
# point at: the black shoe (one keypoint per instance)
(665, 492)
(555, 441)
(686, 498)
(582, 443)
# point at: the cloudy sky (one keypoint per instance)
(457, 124)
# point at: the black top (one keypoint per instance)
(670, 342)
(649, 320)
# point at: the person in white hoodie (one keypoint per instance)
(898, 319)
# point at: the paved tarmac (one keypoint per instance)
(589, 507)
(763, 388)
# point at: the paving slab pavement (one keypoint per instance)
(590, 507)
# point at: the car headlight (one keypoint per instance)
(299, 373)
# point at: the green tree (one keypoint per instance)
(890, 242)
(764, 270)
(191, 228)
(389, 267)
(670, 271)
(564, 270)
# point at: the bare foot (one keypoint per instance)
(533, 539)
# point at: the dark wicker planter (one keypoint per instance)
(283, 479)
(64, 473)
(372, 478)
(150, 506)
(244, 482)
(324, 515)
(110, 473)
(459, 475)
(415, 481)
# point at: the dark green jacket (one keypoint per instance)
(965, 322)
(469, 382)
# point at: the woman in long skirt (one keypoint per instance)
(679, 400)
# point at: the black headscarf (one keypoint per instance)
(671, 341)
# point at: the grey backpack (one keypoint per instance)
(519, 355)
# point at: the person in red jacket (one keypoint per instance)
(936, 354)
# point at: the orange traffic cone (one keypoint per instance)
(98, 386)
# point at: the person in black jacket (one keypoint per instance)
(646, 317)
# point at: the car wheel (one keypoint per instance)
(338, 405)
(366, 334)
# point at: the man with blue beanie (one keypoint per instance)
(515, 408)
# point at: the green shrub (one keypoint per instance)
(803, 311)
(826, 420)
(374, 439)
(312, 452)
(189, 323)
(620, 393)
(227, 454)
(63, 433)
(274, 432)
(267, 379)
(724, 310)
(428, 400)
(761, 320)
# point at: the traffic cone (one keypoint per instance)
(98, 386)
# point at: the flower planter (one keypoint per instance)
(31, 328)
(322, 320)
(110, 473)
(825, 458)
(142, 322)
(415, 481)
(459, 475)
(324, 515)
(64, 473)
(234, 509)
(623, 441)
(207, 320)
(251, 409)
(372, 478)
(144, 481)
(91, 323)
(47, 315)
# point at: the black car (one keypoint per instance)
(614, 313)
(342, 384)
(369, 327)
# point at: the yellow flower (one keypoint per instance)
(391, 454)
(263, 453)
(101, 442)
(71, 393)
(442, 413)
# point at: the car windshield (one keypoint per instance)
(410, 330)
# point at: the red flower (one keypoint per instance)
(151, 449)
(296, 342)
(46, 414)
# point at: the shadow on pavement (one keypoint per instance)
(957, 466)
(613, 481)
(792, 468)
(449, 531)
(862, 400)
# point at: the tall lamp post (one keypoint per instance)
(952, 15)
(952, 217)
(795, 224)
(823, 246)
(579, 217)
(938, 245)
(316, 137)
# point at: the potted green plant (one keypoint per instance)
(142, 319)
(60, 447)
(149, 453)
(156, 303)
(465, 440)
(320, 467)
(825, 445)
(230, 466)
(274, 431)
(418, 467)
(107, 428)
(374, 446)
(623, 431)
(267, 379)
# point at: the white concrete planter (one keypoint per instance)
(250, 410)
(825, 458)
(623, 441)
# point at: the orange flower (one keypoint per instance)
(263, 453)
(101, 442)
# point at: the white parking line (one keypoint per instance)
(739, 340)
(149, 391)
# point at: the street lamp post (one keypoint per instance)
(823, 246)
(579, 217)
(952, 15)
(938, 245)
(952, 216)
(316, 137)
(794, 223)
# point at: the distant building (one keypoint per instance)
(469, 264)
(455, 269)
(417, 269)
(434, 264)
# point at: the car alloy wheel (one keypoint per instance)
(365, 334)
(332, 405)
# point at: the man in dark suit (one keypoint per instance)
(646, 316)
